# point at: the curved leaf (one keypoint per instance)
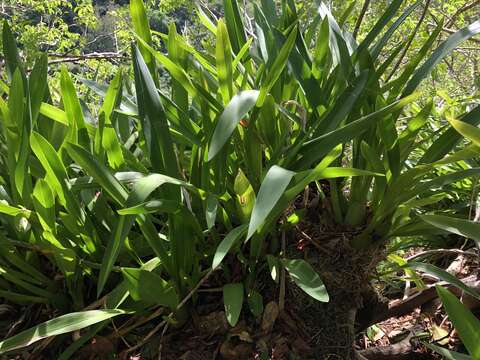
(466, 324)
(306, 278)
(227, 243)
(233, 301)
(443, 275)
(236, 109)
(272, 188)
(448, 354)
(61, 325)
(462, 227)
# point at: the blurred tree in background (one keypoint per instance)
(92, 36)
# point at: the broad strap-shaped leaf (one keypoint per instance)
(306, 278)
(44, 203)
(315, 149)
(12, 210)
(77, 128)
(17, 142)
(448, 354)
(154, 122)
(466, 324)
(211, 208)
(108, 136)
(236, 109)
(233, 302)
(56, 173)
(141, 190)
(61, 325)
(276, 69)
(337, 41)
(227, 243)
(245, 196)
(255, 303)
(103, 176)
(447, 141)
(273, 186)
(234, 24)
(10, 50)
(53, 113)
(176, 71)
(321, 172)
(224, 62)
(462, 227)
(37, 83)
(142, 29)
(471, 132)
(443, 275)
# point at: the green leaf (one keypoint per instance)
(236, 109)
(109, 139)
(153, 206)
(274, 266)
(61, 325)
(471, 132)
(233, 301)
(56, 174)
(211, 208)
(10, 50)
(147, 286)
(443, 50)
(20, 118)
(37, 83)
(462, 227)
(276, 69)
(377, 48)
(255, 302)
(443, 275)
(306, 278)
(224, 62)
(448, 354)
(317, 148)
(205, 20)
(245, 196)
(101, 174)
(74, 112)
(227, 243)
(44, 203)
(140, 192)
(12, 210)
(272, 188)
(466, 324)
(324, 173)
(140, 25)
(234, 24)
(175, 70)
(380, 24)
(447, 141)
(54, 113)
(154, 122)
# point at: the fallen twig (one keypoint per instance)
(439, 251)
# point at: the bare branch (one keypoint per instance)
(366, 4)
(460, 11)
(61, 58)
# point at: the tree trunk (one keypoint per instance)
(338, 336)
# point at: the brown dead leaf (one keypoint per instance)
(270, 315)
(214, 323)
